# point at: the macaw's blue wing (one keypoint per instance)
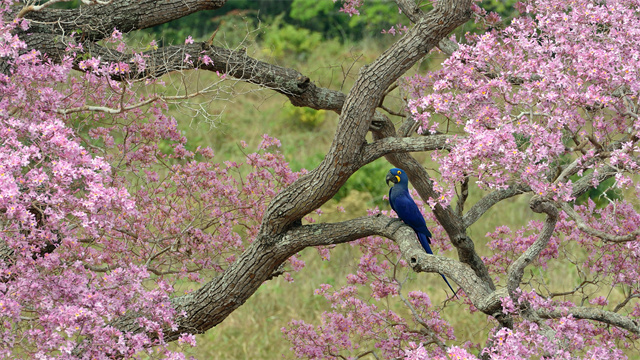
(407, 210)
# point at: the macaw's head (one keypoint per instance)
(397, 176)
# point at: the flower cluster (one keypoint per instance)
(104, 206)
(524, 99)
(350, 6)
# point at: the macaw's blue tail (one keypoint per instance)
(424, 241)
(454, 292)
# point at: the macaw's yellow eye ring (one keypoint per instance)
(399, 172)
(398, 177)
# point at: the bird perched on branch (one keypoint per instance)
(402, 203)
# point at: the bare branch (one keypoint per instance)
(98, 21)
(29, 8)
(582, 225)
(474, 287)
(447, 46)
(573, 168)
(392, 112)
(484, 204)
(571, 292)
(410, 9)
(462, 197)
(625, 302)
(408, 127)
(587, 313)
(586, 182)
(389, 145)
(516, 269)
(110, 110)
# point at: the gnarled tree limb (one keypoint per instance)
(589, 313)
(582, 225)
(516, 269)
(96, 22)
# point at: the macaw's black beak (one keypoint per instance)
(393, 178)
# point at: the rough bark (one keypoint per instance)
(212, 303)
(588, 313)
(516, 270)
(98, 21)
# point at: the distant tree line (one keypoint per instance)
(320, 16)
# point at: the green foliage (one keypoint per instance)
(298, 163)
(304, 10)
(316, 16)
(247, 333)
(505, 8)
(369, 179)
(321, 16)
(600, 195)
(66, 4)
(303, 117)
(235, 31)
(283, 39)
(376, 16)
(231, 25)
(366, 185)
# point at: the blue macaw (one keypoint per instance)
(402, 203)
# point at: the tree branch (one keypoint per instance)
(479, 208)
(516, 269)
(447, 46)
(462, 197)
(582, 226)
(474, 287)
(236, 63)
(388, 145)
(279, 236)
(588, 313)
(410, 9)
(98, 21)
(586, 182)
(213, 302)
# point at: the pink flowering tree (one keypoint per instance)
(103, 207)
